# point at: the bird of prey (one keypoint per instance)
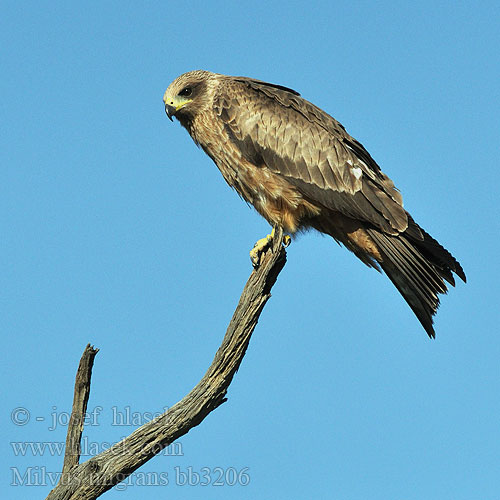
(301, 170)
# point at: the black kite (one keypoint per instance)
(300, 169)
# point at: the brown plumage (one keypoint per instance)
(300, 169)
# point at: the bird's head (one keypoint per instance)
(187, 95)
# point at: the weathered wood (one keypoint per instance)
(92, 478)
(80, 400)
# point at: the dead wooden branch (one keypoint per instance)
(92, 478)
(80, 400)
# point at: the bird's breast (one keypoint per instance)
(272, 195)
(275, 198)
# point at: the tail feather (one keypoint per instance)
(417, 265)
(441, 258)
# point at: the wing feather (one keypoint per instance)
(273, 126)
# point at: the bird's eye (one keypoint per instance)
(186, 92)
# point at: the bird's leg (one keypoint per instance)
(263, 244)
(260, 247)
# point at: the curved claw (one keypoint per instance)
(259, 248)
(263, 244)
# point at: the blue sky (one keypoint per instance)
(116, 230)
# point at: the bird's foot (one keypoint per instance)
(263, 244)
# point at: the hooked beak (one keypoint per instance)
(170, 110)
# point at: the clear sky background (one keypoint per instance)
(116, 230)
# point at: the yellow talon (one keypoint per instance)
(259, 248)
(263, 244)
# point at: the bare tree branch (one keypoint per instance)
(92, 478)
(80, 400)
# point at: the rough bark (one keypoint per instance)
(92, 478)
